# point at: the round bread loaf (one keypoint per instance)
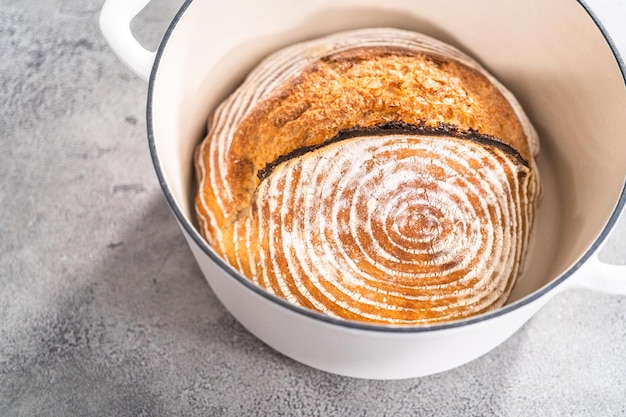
(376, 175)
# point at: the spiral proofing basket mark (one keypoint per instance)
(375, 175)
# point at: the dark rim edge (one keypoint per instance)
(197, 238)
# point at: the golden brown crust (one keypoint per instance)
(365, 87)
(413, 226)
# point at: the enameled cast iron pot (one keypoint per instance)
(552, 54)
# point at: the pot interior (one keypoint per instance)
(549, 53)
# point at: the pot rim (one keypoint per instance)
(190, 229)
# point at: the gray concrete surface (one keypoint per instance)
(103, 311)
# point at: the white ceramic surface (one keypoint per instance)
(564, 72)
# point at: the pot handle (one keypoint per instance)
(115, 18)
(600, 276)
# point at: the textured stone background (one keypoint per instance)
(103, 311)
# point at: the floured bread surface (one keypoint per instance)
(375, 175)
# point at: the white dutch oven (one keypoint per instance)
(551, 53)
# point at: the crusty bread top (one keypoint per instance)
(366, 87)
(374, 175)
